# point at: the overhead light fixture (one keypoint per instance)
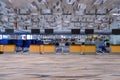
(70, 1)
(39, 0)
(33, 6)
(116, 14)
(10, 1)
(42, 1)
(99, 2)
(82, 6)
(46, 11)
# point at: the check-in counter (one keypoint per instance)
(34, 48)
(87, 48)
(115, 48)
(76, 48)
(9, 48)
(42, 48)
(48, 48)
(90, 48)
(1, 49)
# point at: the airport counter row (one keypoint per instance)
(50, 48)
(77, 48)
(12, 45)
(39, 47)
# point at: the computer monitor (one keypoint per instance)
(75, 31)
(49, 31)
(9, 31)
(89, 31)
(116, 31)
(35, 31)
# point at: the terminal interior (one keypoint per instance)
(60, 39)
(24, 24)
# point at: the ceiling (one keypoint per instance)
(58, 14)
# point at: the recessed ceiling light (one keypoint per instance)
(39, 0)
(10, 1)
(116, 14)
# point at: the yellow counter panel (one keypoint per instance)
(75, 48)
(41, 48)
(90, 48)
(115, 49)
(9, 48)
(35, 48)
(1, 48)
(82, 48)
(49, 49)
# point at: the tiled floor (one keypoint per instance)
(59, 67)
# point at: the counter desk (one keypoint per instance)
(87, 48)
(9, 48)
(48, 48)
(115, 48)
(1, 49)
(90, 48)
(76, 48)
(45, 48)
(34, 48)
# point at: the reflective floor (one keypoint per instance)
(59, 67)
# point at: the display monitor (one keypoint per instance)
(49, 31)
(116, 31)
(9, 31)
(35, 31)
(75, 31)
(89, 31)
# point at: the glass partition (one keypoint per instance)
(115, 39)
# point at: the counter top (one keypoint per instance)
(48, 44)
(90, 44)
(115, 44)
